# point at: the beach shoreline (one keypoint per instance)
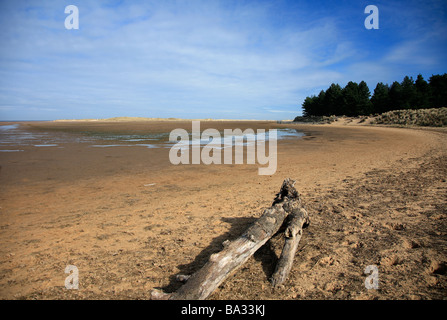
(129, 220)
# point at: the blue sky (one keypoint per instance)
(205, 59)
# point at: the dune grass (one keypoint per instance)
(435, 117)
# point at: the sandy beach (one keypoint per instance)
(130, 221)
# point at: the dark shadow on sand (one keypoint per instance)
(265, 254)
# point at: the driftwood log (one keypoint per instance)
(298, 219)
(235, 253)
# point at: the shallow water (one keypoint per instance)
(14, 136)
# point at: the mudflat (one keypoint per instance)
(129, 220)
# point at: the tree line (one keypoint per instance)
(355, 98)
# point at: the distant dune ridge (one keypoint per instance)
(122, 119)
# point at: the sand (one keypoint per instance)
(130, 221)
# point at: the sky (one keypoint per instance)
(229, 59)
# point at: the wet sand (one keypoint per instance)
(130, 221)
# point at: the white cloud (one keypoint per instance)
(415, 52)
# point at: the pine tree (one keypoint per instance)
(395, 94)
(408, 98)
(364, 106)
(422, 93)
(309, 105)
(350, 96)
(381, 98)
(320, 107)
(438, 86)
(333, 100)
(314, 105)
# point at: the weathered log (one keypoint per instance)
(297, 220)
(235, 253)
